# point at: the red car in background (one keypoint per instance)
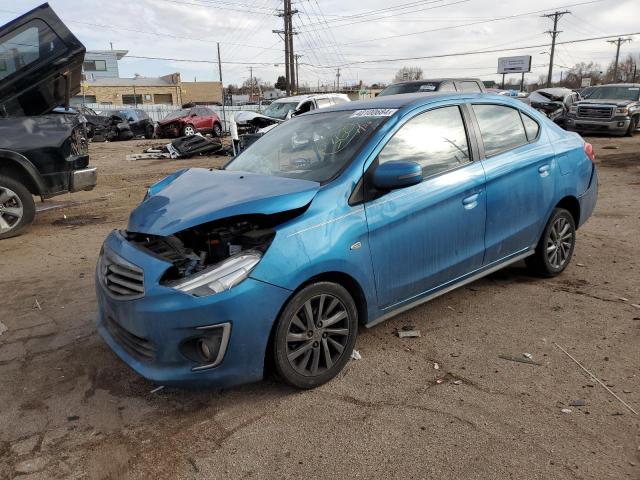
(189, 121)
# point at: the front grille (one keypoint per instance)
(595, 112)
(122, 279)
(135, 345)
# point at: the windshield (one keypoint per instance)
(409, 88)
(280, 109)
(310, 147)
(615, 93)
(176, 114)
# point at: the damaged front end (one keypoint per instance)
(210, 258)
(247, 127)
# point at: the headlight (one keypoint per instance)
(220, 277)
(573, 109)
(622, 110)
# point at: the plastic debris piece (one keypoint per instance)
(519, 360)
(457, 382)
(355, 355)
(566, 410)
(436, 366)
(635, 305)
(3, 328)
(408, 333)
(439, 380)
(156, 390)
(527, 355)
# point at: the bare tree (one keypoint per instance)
(408, 73)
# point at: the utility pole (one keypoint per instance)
(292, 62)
(617, 43)
(554, 33)
(287, 35)
(297, 75)
(224, 115)
(251, 83)
(338, 79)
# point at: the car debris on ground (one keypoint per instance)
(522, 359)
(355, 355)
(408, 333)
(183, 147)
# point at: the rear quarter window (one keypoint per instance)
(531, 127)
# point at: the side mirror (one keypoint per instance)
(397, 174)
(290, 114)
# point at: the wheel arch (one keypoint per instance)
(572, 205)
(18, 167)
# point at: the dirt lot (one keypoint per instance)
(69, 408)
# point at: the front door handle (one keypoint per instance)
(471, 201)
(544, 170)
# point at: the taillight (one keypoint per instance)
(588, 150)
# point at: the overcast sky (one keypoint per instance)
(336, 32)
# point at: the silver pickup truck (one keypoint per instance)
(607, 109)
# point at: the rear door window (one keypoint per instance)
(27, 45)
(436, 139)
(501, 128)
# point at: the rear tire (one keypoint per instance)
(217, 130)
(148, 132)
(555, 247)
(17, 208)
(315, 335)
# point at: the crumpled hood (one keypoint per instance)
(197, 195)
(617, 103)
(247, 117)
(171, 120)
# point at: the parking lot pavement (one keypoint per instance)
(70, 409)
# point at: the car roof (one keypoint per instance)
(299, 98)
(430, 80)
(555, 90)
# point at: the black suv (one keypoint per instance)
(467, 85)
(41, 153)
(607, 109)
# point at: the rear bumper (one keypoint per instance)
(85, 179)
(589, 198)
(615, 125)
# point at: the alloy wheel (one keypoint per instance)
(559, 243)
(189, 130)
(11, 209)
(317, 335)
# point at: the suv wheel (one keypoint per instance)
(315, 335)
(555, 248)
(633, 126)
(17, 208)
(188, 130)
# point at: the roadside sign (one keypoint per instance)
(521, 64)
(586, 82)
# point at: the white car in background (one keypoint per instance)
(246, 127)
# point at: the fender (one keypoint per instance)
(24, 164)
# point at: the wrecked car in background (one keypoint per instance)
(319, 227)
(100, 128)
(468, 85)
(139, 122)
(246, 126)
(41, 153)
(554, 102)
(608, 109)
(189, 121)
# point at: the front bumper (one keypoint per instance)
(615, 125)
(85, 179)
(165, 318)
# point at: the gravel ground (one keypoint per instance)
(69, 408)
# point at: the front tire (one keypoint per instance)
(17, 208)
(555, 248)
(315, 335)
(632, 126)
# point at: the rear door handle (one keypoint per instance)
(471, 201)
(544, 170)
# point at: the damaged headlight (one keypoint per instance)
(622, 111)
(220, 277)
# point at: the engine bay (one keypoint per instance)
(192, 250)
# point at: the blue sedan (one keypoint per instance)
(338, 218)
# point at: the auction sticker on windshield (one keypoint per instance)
(374, 112)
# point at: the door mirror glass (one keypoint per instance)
(397, 174)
